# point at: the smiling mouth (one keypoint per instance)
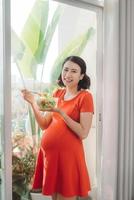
(68, 81)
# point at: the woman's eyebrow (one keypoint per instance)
(74, 69)
(70, 68)
(65, 68)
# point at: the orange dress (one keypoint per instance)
(61, 166)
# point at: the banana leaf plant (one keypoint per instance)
(31, 48)
(75, 47)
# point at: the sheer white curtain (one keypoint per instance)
(118, 118)
(126, 99)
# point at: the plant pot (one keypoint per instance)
(40, 196)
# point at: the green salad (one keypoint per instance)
(46, 101)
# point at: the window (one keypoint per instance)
(83, 27)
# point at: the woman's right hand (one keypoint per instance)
(28, 96)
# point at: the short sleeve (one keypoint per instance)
(57, 93)
(86, 103)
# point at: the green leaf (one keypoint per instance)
(17, 51)
(42, 50)
(32, 121)
(35, 26)
(76, 47)
(28, 64)
(32, 35)
(17, 46)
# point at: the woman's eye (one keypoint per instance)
(74, 71)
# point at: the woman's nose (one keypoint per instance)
(68, 74)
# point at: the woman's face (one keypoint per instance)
(71, 74)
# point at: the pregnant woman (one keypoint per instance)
(61, 168)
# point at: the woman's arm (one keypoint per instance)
(82, 128)
(43, 121)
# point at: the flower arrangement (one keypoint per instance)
(23, 164)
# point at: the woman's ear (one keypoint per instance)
(81, 76)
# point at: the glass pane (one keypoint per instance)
(37, 68)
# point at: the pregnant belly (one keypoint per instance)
(58, 137)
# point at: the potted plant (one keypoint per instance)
(23, 164)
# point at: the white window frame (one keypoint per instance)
(98, 3)
(6, 100)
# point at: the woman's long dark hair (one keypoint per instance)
(85, 82)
